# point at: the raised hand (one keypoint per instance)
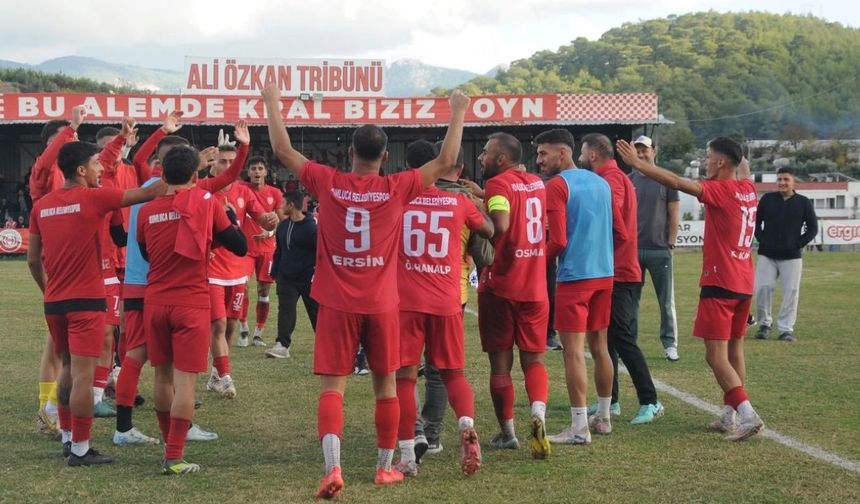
(171, 122)
(241, 133)
(79, 112)
(129, 132)
(207, 157)
(627, 152)
(458, 101)
(271, 93)
(224, 139)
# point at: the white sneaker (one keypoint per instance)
(672, 354)
(278, 351)
(726, 423)
(747, 427)
(133, 437)
(602, 426)
(258, 341)
(243, 340)
(226, 387)
(407, 468)
(569, 436)
(195, 433)
(212, 383)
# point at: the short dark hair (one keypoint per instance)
(460, 155)
(258, 160)
(509, 145)
(601, 144)
(419, 153)
(171, 141)
(180, 164)
(294, 197)
(74, 154)
(727, 147)
(786, 169)
(555, 136)
(227, 148)
(106, 132)
(369, 142)
(51, 128)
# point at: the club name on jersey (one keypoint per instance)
(164, 217)
(443, 201)
(367, 261)
(534, 186)
(357, 197)
(62, 210)
(529, 252)
(745, 197)
(434, 269)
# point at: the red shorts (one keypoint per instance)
(503, 322)
(180, 334)
(721, 319)
(79, 333)
(583, 306)
(226, 301)
(442, 335)
(339, 333)
(112, 296)
(135, 330)
(260, 264)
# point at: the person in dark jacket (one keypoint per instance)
(293, 269)
(785, 223)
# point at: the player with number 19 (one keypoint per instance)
(727, 277)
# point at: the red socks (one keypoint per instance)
(387, 418)
(408, 408)
(330, 414)
(460, 394)
(735, 397)
(537, 382)
(222, 364)
(64, 414)
(100, 377)
(163, 424)
(502, 392)
(81, 427)
(175, 447)
(126, 384)
(262, 313)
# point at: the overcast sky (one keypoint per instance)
(472, 35)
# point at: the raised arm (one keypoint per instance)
(661, 175)
(292, 159)
(143, 194)
(141, 157)
(43, 169)
(232, 173)
(434, 169)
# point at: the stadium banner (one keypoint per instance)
(690, 234)
(248, 76)
(14, 241)
(838, 232)
(429, 111)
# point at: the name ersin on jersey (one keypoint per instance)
(434, 269)
(367, 261)
(164, 217)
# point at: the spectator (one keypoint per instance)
(24, 204)
(10, 223)
(785, 223)
(22, 222)
(6, 209)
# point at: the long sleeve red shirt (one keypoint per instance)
(624, 222)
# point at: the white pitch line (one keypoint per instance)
(788, 441)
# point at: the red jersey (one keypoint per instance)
(518, 271)
(108, 247)
(225, 267)
(69, 222)
(270, 198)
(174, 279)
(359, 236)
(431, 255)
(46, 176)
(730, 209)
(625, 227)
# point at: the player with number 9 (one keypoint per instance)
(727, 277)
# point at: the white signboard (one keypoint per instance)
(248, 76)
(830, 232)
(690, 234)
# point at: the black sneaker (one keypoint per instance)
(763, 332)
(552, 343)
(67, 449)
(91, 457)
(787, 337)
(421, 446)
(138, 400)
(198, 403)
